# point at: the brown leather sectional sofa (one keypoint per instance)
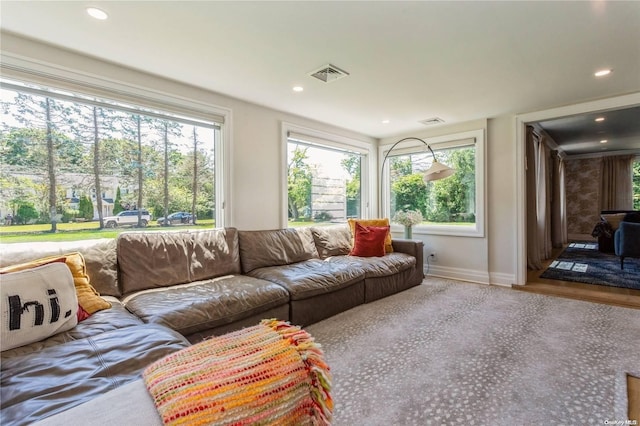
(171, 288)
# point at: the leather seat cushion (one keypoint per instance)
(194, 307)
(114, 318)
(56, 378)
(312, 277)
(374, 267)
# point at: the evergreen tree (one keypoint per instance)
(85, 208)
(117, 203)
(48, 117)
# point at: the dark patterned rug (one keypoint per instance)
(582, 262)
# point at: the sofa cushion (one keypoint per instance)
(99, 257)
(88, 297)
(43, 383)
(160, 259)
(199, 306)
(311, 277)
(36, 303)
(101, 262)
(332, 240)
(214, 253)
(130, 404)
(152, 259)
(259, 249)
(102, 321)
(388, 246)
(389, 264)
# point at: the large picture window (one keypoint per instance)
(75, 158)
(324, 180)
(454, 205)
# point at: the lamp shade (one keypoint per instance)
(437, 171)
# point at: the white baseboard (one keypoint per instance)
(481, 277)
(498, 278)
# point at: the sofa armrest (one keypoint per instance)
(627, 239)
(414, 248)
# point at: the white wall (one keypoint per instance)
(256, 162)
(501, 199)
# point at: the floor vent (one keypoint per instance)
(432, 121)
(328, 73)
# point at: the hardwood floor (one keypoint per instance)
(593, 293)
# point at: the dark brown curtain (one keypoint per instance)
(616, 191)
(546, 200)
(559, 235)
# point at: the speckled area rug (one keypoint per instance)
(449, 353)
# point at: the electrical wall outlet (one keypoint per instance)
(433, 256)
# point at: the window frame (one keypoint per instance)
(438, 143)
(334, 142)
(59, 79)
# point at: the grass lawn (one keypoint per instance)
(78, 231)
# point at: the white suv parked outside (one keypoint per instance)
(126, 218)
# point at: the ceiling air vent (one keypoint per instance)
(328, 73)
(432, 121)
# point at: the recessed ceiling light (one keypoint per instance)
(298, 88)
(386, 121)
(602, 73)
(599, 119)
(604, 141)
(97, 13)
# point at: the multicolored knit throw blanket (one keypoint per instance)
(270, 374)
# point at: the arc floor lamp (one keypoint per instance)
(435, 172)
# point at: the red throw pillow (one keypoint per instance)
(82, 314)
(369, 241)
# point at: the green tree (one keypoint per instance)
(409, 193)
(92, 125)
(27, 147)
(26, 212)
(141, 159)
(298, 182)
(51, 117)
(117, 203)
(400, 166)
(85, 208)
(167, 132)
(453, 199)
(352, 165)
(194, 187)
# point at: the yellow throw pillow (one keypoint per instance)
(88, 297)
(388, 248)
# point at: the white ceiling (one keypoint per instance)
(408, 61)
